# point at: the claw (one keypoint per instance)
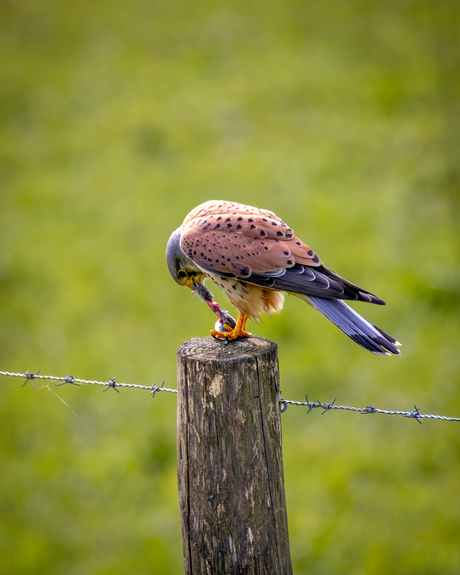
(231, 334)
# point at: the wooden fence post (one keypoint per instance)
(229, 459)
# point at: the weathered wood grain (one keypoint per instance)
(230, 468)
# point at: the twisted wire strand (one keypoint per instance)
(76, 381)
(414, 414)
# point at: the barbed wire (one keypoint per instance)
(76, 381)
(368, 409)
(414, 414)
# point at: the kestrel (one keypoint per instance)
(253, 256)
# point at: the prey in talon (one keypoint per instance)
(225, 323)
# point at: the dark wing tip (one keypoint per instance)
(370, 298)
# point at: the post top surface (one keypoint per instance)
(213, 349)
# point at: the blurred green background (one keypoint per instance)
(117, 119)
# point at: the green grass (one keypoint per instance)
(119, 118)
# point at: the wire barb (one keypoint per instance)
(327, 406)
(156, 388)
(68, 379)
(415, 414)
(112, 383)
(28, 376)
(368, 409)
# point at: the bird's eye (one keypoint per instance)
(181, 274)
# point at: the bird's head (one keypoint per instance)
(182, 269)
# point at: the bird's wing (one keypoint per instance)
(233, 239)
(256, 246)
(318, 282)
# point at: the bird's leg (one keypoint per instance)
(238, 332)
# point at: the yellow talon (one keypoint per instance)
(237, 333)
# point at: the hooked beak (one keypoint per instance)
(195, 280)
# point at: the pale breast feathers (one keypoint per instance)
(238, 240)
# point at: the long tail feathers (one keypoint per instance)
(355, 326)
